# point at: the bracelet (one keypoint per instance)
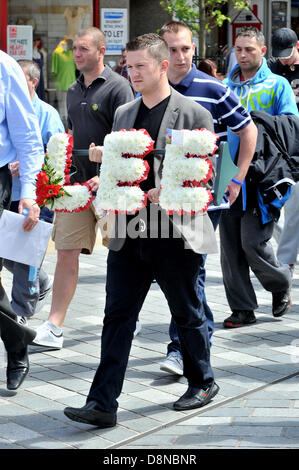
(236, 181)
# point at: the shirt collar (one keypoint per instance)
(103, 76)
(35, 98)
(35, 102)
(187, 80)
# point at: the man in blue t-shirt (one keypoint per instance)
(226, 112)
(244, 236)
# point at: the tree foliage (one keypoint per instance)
(201, 15)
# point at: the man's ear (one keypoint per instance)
(102, 50)
(264, 50)
(35, 82)
(164, 65)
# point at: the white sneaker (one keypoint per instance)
(22, 320)
(44, 294)
(48, 335)
(292, 269)
(138, 328)
(173, 364)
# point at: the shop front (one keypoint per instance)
(43, 31)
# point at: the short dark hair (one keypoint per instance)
(252, 32)
(153, 43)
(97, 35)
(174, 27)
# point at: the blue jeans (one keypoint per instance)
(174, 345)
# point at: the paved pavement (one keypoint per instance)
(256, 367)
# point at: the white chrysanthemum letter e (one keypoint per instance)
(186, 170)
(123, 168)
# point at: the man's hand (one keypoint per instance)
(248, 137)
(94, 183)
(153, 195)
(33, 213)
(232, 191)
(14, 169)
(95, 153)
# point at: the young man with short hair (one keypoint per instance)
(91, 102)
(226, 111)
(133, 262)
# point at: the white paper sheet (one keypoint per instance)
(23, 247)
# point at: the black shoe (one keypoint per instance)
(196, 398)
(91, 414)
(239, 318)
(14, 335)
(17, 368)
(281, 302)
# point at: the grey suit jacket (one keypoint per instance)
(181, 113)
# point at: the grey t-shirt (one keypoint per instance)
(90, 115)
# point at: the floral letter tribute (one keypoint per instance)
(53, 188)
(186, 169)
(123, 168)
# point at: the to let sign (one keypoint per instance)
(115, 27)
(19, 41)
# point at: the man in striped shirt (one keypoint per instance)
(227, 112)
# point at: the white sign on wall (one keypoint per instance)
(115, 27)
(19, 41)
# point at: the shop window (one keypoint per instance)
(54, 24)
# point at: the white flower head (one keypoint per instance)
(185, 169)
(122, 169)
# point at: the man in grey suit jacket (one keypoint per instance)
(176, 116)
(134, 262)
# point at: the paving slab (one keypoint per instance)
(256, 367)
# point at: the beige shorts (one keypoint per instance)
(75, 231)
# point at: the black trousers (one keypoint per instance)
(13, 335)
(130, 272)
(246, 244)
